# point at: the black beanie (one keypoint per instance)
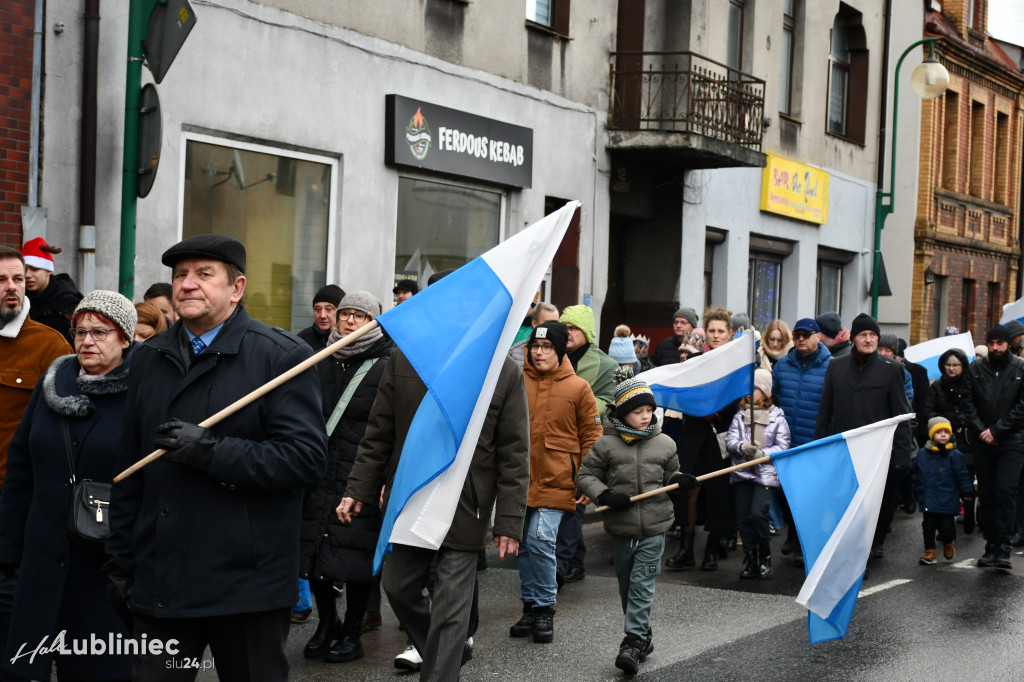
(1000, 332)
(864, 323)
(554, 331)
(331, 293)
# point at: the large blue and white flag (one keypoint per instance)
(927, 354)
(834, 488)
(456, 333)
(1013, 311)
(705, 384)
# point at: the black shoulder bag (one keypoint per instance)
(88, 516)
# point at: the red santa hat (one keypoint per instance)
(37, 254)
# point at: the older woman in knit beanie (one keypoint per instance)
(331, 552)
(61, 585)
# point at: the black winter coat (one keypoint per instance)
(331, 550)
(666, 353)
(61, 585)
(224, 541)
(994, 397)
(919, 380)
(54, 305)
(945, 399)
(858, 394)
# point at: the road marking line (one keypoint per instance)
(966, 563)
(884, 586)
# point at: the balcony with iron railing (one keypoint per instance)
(687, 103)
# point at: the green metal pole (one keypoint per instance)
(138, 18)
(882, 209)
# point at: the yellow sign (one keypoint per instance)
(795, 190)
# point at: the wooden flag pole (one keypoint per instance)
(257, 393)
(713, 474)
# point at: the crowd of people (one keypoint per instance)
(247, 525)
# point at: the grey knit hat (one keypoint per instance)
(114, 307)
(688, 314)
(362, 300)
(889, 341)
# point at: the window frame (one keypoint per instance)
(559, 21)
(787, 74)
(754, 256)
(839, 266)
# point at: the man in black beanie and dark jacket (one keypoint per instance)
(993, 403)
(860, 389)
(325, 316)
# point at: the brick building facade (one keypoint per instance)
(16, 17)
(967, 242)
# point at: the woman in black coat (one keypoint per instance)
(331, 552)
(61, 587)
(945, 399)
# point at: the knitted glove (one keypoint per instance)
(685, 481)
(614, 500)
(186, 443)
(751, 451)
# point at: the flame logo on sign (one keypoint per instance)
(417, 134)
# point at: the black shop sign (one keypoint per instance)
(431, 137)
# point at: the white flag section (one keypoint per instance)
(834, 488)
(927, 353)
(456, 333)
(705, 384)
(1013, 311)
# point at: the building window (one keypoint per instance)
(966, 305)
(995, 308)
(734, 55)
(848, 76)
(787, 52)
(442, 226)
(829, 294)
(950, 140)
(1001, 159)
(764, 279)
(552, 14)
(976, 174)
(279, 204)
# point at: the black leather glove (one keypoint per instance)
(119, 589)
(614, 500)
(900, 471)
(8, 570)
(186, 443)
(685, 481)
(969, 520)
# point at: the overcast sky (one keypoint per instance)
(1006, 20)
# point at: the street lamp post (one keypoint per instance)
(929, 80)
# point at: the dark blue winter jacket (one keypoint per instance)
(942, 478)
(796, 384)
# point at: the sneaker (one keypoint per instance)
(648, 645)
(300, 617)
(467, 651)
(928, 559)
(371, 621)
(948, 550)
(628, 660)
(524, 626)
(543, 624)
(409, 659)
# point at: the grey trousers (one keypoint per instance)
(637, 564)
(438, 628)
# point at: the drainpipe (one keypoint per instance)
(37, 84)
(880, 178)
(87, 171)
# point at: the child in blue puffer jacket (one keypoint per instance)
(942, 480)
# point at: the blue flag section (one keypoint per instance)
(834, 488)
(456, 335)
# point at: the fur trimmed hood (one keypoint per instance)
(67, 393)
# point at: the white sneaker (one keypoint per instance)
(409, 659)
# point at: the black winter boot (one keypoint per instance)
(683, 559)
(628, 660)
(764, 564)
(543, 624)
(327, 630)
(346, 649)
(750, 566)
(524, 626)
(710, 562)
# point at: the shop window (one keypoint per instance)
(443, 226)
(848, 76)
(552, 14)
(277, 203)
(764, 280)
(829, 294)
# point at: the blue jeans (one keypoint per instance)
(537, 556)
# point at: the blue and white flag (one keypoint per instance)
(834, 488)
(1013, 311)
(456, 334)
(705, 384)
(927, 354)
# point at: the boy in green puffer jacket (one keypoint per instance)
(633, 457)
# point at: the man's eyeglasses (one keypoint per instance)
(358, 315)
(97, 334)
(801, 334)
(542, 348)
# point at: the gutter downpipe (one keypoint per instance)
(37, 86)
(87, 171)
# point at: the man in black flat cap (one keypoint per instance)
(203, 541)
(993, 402)
(325, 316)
(404, 290)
